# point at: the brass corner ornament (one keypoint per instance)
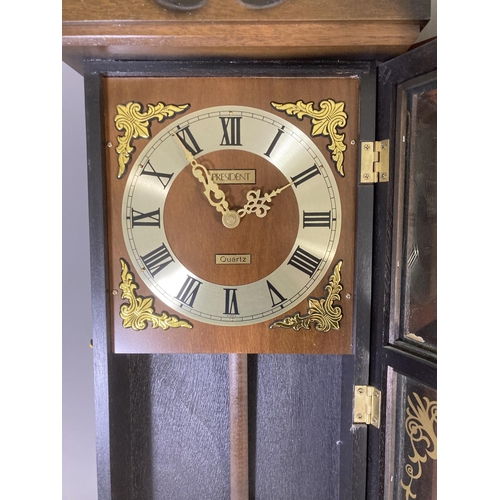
(421, 423)
(136, 123)
(139, 311)
(321, 312)
(325, 121)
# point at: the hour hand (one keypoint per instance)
(257, 204)
(215, 196)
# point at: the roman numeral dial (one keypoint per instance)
(146, 218)
(204, 271)
(276, 297)
(188, 140)
(304, 261)
(231, 303)
(277, 137)
(163, 177)
(304, 176)
(157, 259)
(317, 219)
(189, 291)
(231, 131)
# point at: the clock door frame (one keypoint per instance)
(121, 420)
(399, 368)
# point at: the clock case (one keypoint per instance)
(137, 424)
(162, 419)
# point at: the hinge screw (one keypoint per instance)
(360, 391)
(359, 415)
(366, 176)
(384, 176)
(367, 147)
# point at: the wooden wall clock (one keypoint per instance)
(232, 207)
(227, 216)
(230, 213)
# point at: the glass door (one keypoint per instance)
(403, 452)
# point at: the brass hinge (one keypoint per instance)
(374, 162)
(367, 401)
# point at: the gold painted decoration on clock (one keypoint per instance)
(136, 123)
(325, 121)
(420, 424)
(140, 311)
(321, 312)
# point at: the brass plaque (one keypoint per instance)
(233, 259)
(233, 176)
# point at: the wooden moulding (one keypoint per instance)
(236, 11)
(238, 414)
(366, 40)
(227, 29)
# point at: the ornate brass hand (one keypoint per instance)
(215, 196)
(257, 204)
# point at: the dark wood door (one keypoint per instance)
(404, 339)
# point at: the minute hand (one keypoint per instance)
(257, 204)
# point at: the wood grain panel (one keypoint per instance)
(257, 92)
(295, 427)
(170, 429)
(231, 10)
(143, 41)
(225, 28)
(238, 414)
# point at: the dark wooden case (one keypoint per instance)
(148, 394)
(163, 420)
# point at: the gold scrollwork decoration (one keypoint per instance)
(321, 312)
(421, 427)
(135, 123)
(140, 310)
(325, 121)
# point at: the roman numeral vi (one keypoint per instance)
(231, 306)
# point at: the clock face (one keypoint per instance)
(278, 244)
(231, 213)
